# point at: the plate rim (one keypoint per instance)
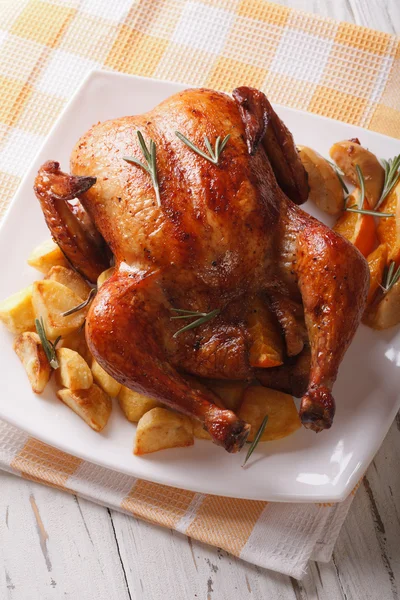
(342, 489)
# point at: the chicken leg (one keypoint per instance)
(126, 340)
(331, 274)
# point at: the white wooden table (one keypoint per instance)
(53, 545)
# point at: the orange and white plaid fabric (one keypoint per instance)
(307, 62)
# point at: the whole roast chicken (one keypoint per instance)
(199, 214)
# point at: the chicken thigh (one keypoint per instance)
(222, 237)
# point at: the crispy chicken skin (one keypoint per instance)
(224, 236)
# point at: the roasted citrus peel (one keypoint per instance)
(266, 348)
(388, 230)
(359, 229)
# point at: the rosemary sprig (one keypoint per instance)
(392, 277)
(374, 213)
(358, 208)
(339, 174)
(151, 163)
(213, 156)
(199, 317)
(83, 304)
(48, 346)
(392, 176)
(361, 181)
(256, 440)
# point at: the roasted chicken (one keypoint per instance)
(225, 236)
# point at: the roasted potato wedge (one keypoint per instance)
(47, 255)
(230, 392)
(347, 155)
(70, 279)
(73, 373)
(77, 341)
(282, 414)
(92, 405)
(16, 311)
(160, 429)
(102, 278)
(325, 187)
(50, 300)
(104, 380)
(135, 405)
(199, 432)
(376, 262)
(385, 313)
(32, 355)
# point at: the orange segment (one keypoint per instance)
(389, 227)
(377, 262)
(359, 229)
(266, 348)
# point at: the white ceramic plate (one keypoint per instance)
(301, 468)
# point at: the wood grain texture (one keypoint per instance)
(54, 546)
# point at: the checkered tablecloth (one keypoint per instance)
(334, 69)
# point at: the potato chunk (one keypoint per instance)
(74, 372)
(135, 405)
(386, 313)
(104, 380)
(376, 262)
(77, 341)
(16, 311)
(47, 255)
(70, 279)
(102, 278)
(230, 392)
(280, 408)
(325, 188)
(92, 405)
(160, 429)
(32, 355)
(347, 155)
(199, 432)
(50, 299)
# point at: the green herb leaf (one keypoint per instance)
(213, 155)
(339, 174)
(256, 440)
(358, 208)
(83, 304)
(392, 176)
(201, 318)
(362, 211)
(150, 155)
(391, 278)
(361, 181)
(48, 346)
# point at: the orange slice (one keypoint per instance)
(266, 348)
(389, 227)
(377, 262)
(359, 229)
